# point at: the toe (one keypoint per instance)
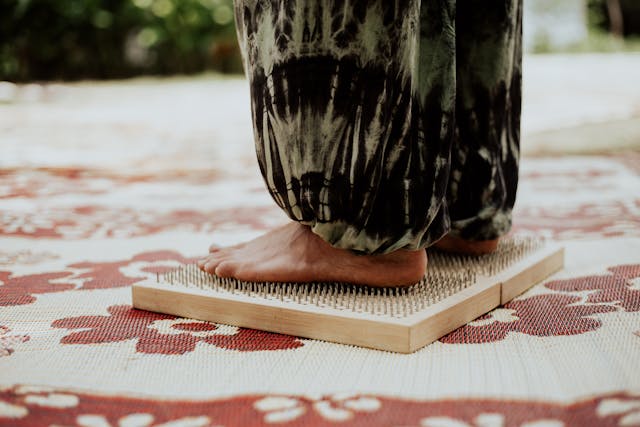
(202, 262)
(225, 269)
(212, 261)
(210, 266)
(215, 256)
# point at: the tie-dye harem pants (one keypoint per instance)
(385, 124)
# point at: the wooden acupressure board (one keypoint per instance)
(455, 290)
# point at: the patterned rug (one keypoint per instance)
(73, 352)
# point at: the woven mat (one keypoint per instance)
(74, 353)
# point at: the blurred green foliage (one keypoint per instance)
(75, 39)
(599, 37)
(597, 15)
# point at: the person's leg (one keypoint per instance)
(485, 153)
(352, 109)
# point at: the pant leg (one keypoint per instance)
(485, 153)
(352, 105)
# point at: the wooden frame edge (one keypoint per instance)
(312, 324)
(454, 312)
(524, 275)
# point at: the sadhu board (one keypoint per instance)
(455, 290)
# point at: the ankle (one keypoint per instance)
(412, 265)
(458, 245)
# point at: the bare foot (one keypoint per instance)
(466, 247)
(292, 253)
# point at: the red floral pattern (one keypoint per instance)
(8, 258)
(20, 290)
(556, 314)
(614, 289)
(177, 336)
(569, 180)
(575, 221)
(29, 406)
(540, 315)
(580, 221)
(96, 221)
(101, 275)
(47, 182)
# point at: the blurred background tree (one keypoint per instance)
(620, 17)
(77, 39)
